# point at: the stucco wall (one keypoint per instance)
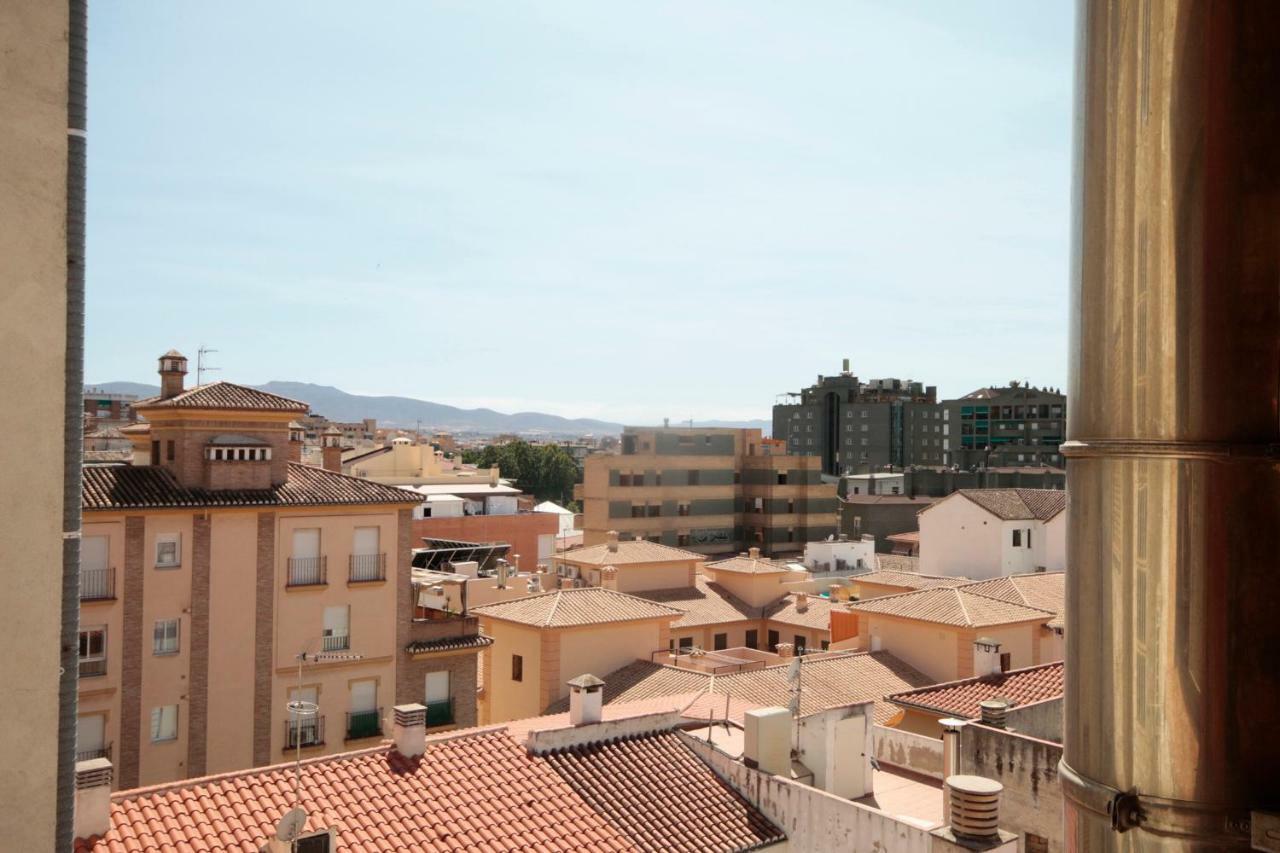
(33, 279)
(520, 530)
(908, 750)
(1041, 720)
(1054, 557)
(1028, 769)
(506, 699)
(1016, 641)
(233, 550)
(960, 538)
(931, 649)
(600, 649)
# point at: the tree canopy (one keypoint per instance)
(547, 471)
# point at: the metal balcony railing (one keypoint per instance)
(367, 567)
(364, 723)
(440, 713)
(303, 732)
(335, 642)
(308, 571)
(92, 667)
(97, 584)
(87, 754)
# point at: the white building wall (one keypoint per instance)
(820, 555)
(1054, 558)
(958, 538)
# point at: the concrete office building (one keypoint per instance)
(1014, 425)
(857, 426)
(710, 491)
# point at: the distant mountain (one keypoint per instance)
(406, 412)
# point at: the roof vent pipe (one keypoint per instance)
(975, 806)
(994, 712)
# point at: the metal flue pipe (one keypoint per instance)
(1173, 637)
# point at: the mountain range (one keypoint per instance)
(407, 412)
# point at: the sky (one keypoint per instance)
(595, 209)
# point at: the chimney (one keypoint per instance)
(875, 642)
(975, 807)
(410, 730)
(173, 368)
(586, 700)
(493, 476)
(297, 434)
(503, 569)
(986, 657)
(331, 447)
(609, 577)
(845, 367)
(753, 553)
(785, 650)
(612, 539)
(951, 728)
(93, 797)
(535, 584)
(802, 602)
(993, 712)
(767, 740)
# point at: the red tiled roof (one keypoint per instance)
(224, 395)
(962, 698)
(661, 796)
(153, 487)
(448, 644)
(479, 791)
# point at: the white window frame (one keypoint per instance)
(164, 723)
(165, 539)
(166, 637)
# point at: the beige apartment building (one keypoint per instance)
(208, 572)
(711, 491)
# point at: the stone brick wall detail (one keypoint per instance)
(198, 692)
(263, 650)
(402, 577)
(127, 768)
(411, 681)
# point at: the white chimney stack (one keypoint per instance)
(767, 740)
(586, 700)
(612, 539)
(986, 657)
(93, 797)
(975, 806)
(753, 553)
(410, 730)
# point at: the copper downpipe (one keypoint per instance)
(1172, 732)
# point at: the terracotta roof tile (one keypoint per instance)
(787, 611)
(632, 551)
(898, 562)
(147, 487)
(224, 395)
(749, 566)
(480, 791)
(962, 698)
(661, 796)
(1019, 504)
(907, 580)
(449, 644)
(704, 603)
(952, 606)
(829, 679)
(1041, 590)
(565, 608)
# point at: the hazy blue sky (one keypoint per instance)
(607, 209)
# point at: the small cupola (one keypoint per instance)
(173, 371)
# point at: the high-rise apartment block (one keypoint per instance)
(711, 491)
(857, 426)
(1014, 425)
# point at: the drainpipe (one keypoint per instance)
(1172, 636)
(73, 429)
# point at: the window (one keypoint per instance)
(155, 452)
(720, 642)
(439, 701)
(782, 478)
(682, 539)
(306, 566)
(1028, 537)
(799, 643)
(637, 510)
(682, 508)
(363, 719)
(335, 636)
(304, 730)
(637, 479)
(865, 442)
(517, 668)
(93, 651)
(168, 550)
(164, 723)
(654, 510)
(694, 478)
(773, 641)
(91, 737)
(826, 644)
(753, 639)
(624, 479)
(686, 644)
(164, 638)
(1017, 538)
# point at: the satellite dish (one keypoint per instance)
(290, 826)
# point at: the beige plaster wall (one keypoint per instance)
(929, 648)
(506, 699)
(232, 558)
(600, 649)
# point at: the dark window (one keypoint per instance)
(155, 453)
(799, 644)
(686, 643)
(624, 479)
(682, 509)
(637, 479)
(168, 450)
(1006, 661)
(720, 641)
(782, 478)
(693, 478)
(737, 476)
(1017, 538)
(773, 641)
(1028, 537)
(312, 844)
(753, 639)
(517, 668)
(655, 510)
(657, 479)
(638, 511)
(682, 539)
(791, 506)
(791, 535)
(826, 644)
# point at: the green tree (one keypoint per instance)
(556, 474)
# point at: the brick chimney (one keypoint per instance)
(612, 539)
(93, 797)
(173, 369)
(609, 577)
(410, 729)
(586, 700)
(331, 447)
(297, 435)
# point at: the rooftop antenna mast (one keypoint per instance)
(201, 367)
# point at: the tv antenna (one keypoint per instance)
(201, 367)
